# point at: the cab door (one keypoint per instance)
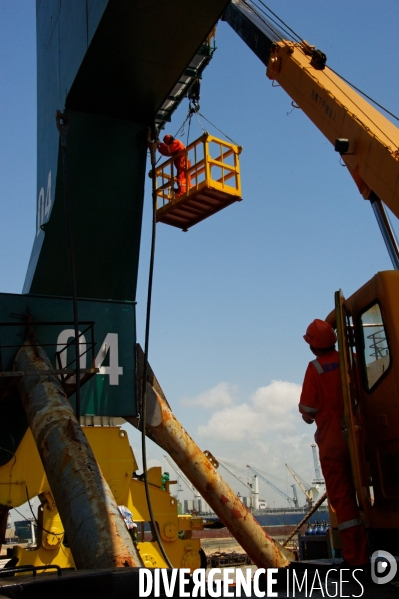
(368, 336)
(353, 424)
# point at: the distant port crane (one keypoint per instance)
(253, 487)
(306, 489)
(291, 500)
(318, 476)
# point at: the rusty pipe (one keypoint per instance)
(164, 429)
(95, 530)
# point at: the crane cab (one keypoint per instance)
(212, 177)
(368, 339)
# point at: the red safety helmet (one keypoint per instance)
(168, 139)
(320, 334)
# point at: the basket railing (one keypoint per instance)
(210, 162)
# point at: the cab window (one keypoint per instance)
(376, 356)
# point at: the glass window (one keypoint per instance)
(376, 350)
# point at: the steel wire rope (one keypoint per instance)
(182, 128)
(220, 131)
(239, 468)
(273, 476)
(278, 18)
(188, 130)
(200, 124)
(303, 481)
(143, 417)
(263, 20)
(269, 21)
(360, 109)
(364, 94)
(251, 4)
(300, 44)
(62, 121)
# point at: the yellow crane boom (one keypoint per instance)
(367, 141)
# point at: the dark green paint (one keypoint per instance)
(98, 396)
(105, 172)
(110, 64)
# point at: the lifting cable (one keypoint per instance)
(62, 121)
(143, 418)
(365, 95)
(194, 110)
(251, 5)
(269, 21)
(360, 109)
(181, 130)
(188, 130)
(220, 131)
(284, 27)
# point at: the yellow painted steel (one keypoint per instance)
(24, 473)
(338, 111)
(375, 461)
(371, 414)
(214, 164)
(51, 543)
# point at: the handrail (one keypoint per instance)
(203, 168)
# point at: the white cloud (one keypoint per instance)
(272, 408)
(264, 430)
(220, 396)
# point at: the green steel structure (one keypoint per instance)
(115, 68)
(111, 65)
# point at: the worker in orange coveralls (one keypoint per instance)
(171, 147)
(322, 401)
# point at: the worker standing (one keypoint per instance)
(172, 147)
(322, 401)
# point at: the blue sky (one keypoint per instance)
(233, 296)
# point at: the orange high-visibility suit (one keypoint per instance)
(322, 401)
(171, 149)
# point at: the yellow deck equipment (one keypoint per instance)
(213, 173)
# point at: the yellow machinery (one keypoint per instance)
(367, 141)
(213, 176)
(368, 337)
(24, 477)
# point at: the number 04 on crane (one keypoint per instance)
(212, 182)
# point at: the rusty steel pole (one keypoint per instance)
(95, 530)
(164, 429)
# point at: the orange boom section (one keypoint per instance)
(212, 172)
